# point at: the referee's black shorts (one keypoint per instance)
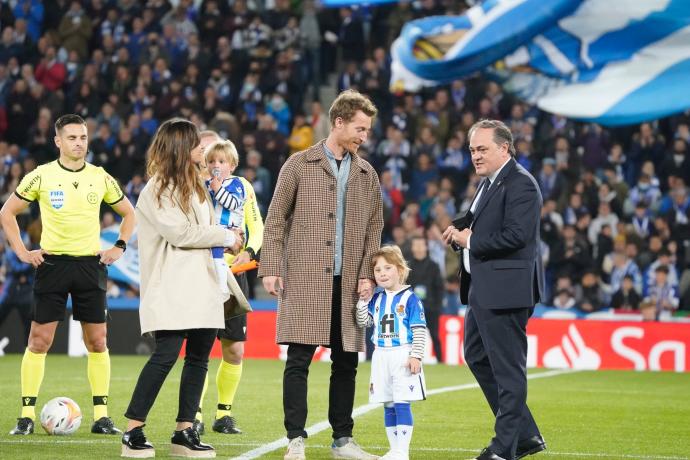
(236, 328)
(84, 278)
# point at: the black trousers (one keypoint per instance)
(495, 346)
(168, 346)
(341, 396)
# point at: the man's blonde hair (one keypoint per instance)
(223, 149)
(393, 255)
(348, 103)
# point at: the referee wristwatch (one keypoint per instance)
(252, 254)
(122, 244)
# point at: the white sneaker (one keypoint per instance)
(351, 450)
(295, 449)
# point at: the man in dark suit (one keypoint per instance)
(501, 279)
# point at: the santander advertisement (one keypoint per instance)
(553, 343)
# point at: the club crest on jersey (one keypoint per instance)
(57, 198)
(400, 310)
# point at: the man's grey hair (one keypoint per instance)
(502, 134)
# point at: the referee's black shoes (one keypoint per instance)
(530, 446)
(104, 425)
(226, 425)
(24, 426)
(198, 426)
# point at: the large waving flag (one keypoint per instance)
(126, 268)
(610, 62)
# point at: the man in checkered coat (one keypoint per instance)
(323, 225)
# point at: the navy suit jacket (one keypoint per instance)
(505, 256)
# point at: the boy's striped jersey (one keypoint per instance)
(228, 202)
(395, 314)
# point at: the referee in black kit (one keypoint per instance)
(70, 261)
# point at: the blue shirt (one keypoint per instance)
(341, 174)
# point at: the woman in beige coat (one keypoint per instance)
(180, 297)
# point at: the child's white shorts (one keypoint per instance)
(390, 380)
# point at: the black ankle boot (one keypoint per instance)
(186, 443)
(135, 445)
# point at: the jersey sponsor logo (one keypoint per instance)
(392, 335)
(92, 198)
(113, 182)
(57, 198)
(76, 184)
(31, 183)
(387, 325)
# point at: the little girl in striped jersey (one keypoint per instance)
(228, 194)
(397, 316)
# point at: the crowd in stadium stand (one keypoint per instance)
(616, 215)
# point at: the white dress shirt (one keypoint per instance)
(485, 188)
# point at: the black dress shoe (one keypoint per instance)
(530, 446)
(186, 443)
(135, 445)
(488, 454)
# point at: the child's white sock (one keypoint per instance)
(403, 416)
(222, 274)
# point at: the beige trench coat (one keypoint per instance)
(179, 288)
(299, 236)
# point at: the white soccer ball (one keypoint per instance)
(61, 416)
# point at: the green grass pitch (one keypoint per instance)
(582, 415)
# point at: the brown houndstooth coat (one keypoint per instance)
(298, 245)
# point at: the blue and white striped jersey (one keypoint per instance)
(395, 314)
(228, 202)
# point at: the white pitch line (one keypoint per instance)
(361, 410)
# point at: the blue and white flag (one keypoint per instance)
(126, 268)
(610, 62)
